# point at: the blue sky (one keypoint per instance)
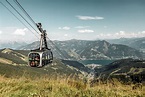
(76, 19)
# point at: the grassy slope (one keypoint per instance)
(24, 81)
(46, 87)
(123, 70)
(14, 63)
(56, 68)
(17, 57)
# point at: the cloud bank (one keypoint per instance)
(21, 32)
(120, 34)
(64, 28)
(0, 32)
(89, 17)
(86, 31)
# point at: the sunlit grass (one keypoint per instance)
(65, 87)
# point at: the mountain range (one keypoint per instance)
(137, 43)
(11, 44)
(89, 50)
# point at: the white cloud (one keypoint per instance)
(20, 31)
(80, 27)
(120, 34)
(59, 27)
(64, 28)
(14, 34)
(143, 32)
(65, 35)
(85, 31)
(0, 32)
(89, 18)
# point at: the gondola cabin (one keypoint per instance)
(40, 58)
(43, 55)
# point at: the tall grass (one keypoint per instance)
(65, 87)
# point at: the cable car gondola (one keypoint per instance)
(39, 58)
(43, 55)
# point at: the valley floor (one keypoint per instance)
(65, 87)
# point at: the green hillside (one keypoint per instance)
(61, 78)
(13, 56)
(126, 70)
(17, 71)
(14, 63)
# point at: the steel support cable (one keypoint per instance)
(20, 6)
(25, 12)
(21, 15)
(58, 49)
(18, 19)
